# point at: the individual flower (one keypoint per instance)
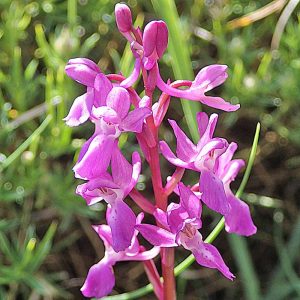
(180, 227)
(100, 279)
(200, 156)
(207, 79)
(214, 185)
(98, 86)
(110, 121)
(113, 189)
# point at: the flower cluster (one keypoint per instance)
(110, 177)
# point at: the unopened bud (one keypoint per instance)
(123, 17)
(155, 38)
(82, 70)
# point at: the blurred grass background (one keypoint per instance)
(46, 242)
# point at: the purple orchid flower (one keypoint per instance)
(113, 189)
(207, 79)
(216, 193)
(100, 279)
(200, 156)
(98, 86)
(181, 223)
(110, 121)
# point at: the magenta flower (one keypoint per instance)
(100, 279)
(181, 223)
(113, 189)
(110, 121)
(155, 42)
(123, 17)
(214, 185)
(98, 86)
(200, 156)
(207, 79)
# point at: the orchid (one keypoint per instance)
(100, 279)
(98, 86)
(200, 156)
(110, 177)
(110, 121)
(113, 189)
(180, 227)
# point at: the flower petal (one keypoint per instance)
(206, 127)
(185, 150)
(219, 103)
(157, 236)
(121, 169)
(146, 255)
(133, 77)
(104, 233)
(190, 202)
(82, 70)
(102, 87)
(210, 77)
(81, 109)
(213, 193)
(161, 217)
(238, 219)
(121, 221)
(134, 121)
(136, 170)
(119, 100)
(208, 256)
(96, 159)
(169, 155)
(99, 281)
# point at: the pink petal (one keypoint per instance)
(176, 217)
(108, 114)
(232, 169)
(208, 256)
(157, 236)
(185, 150)
(121, 169)
(104, 233)
(210, 77)
(119, 100)
(91, 191)
(82, 70)
(81, 109)
(219, 103)
(213, 193)
(206, 127)
(226, 157)
(146, 255)
(134, 121)
(99, 281)
(238, 219)
(136, 170)
(102, 88)
(169, 155)
(96, 158)
(133, 77)
(121, 221)
(123, 17)
(161, 217)
(190, 201)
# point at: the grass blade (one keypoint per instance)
(25, 144)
